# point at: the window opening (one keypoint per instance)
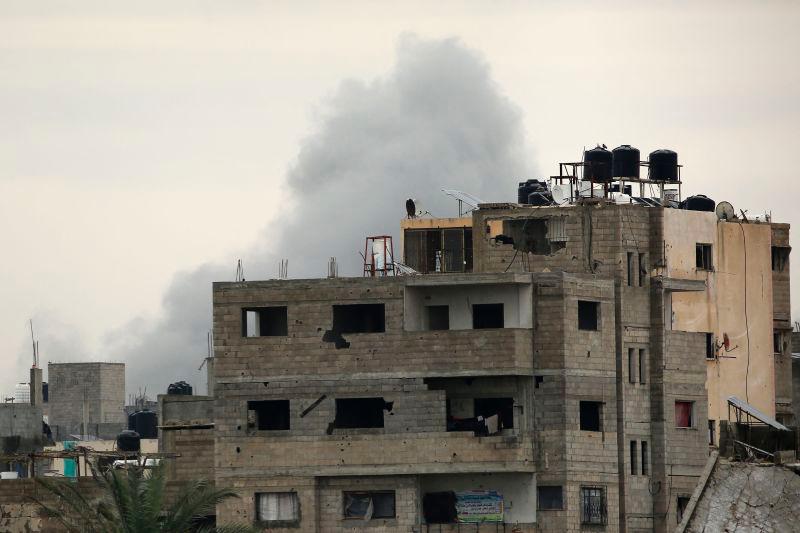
(549, 498)
(530, 235)
(591, 416)
(439, 507)
(777, 341)
(359, 318)
(265, 322)
(369, 505)
(683, 414)
(683, 503)
(634, 457)
(438, 317)
(593, 505)
(642, 366)
(712, 432)
(645, 462)
(453, 250)
(710, 351)
(703, 253)
(632, 365)
(360, 412)
(503, 407)
(268, 415)
(642, 269)
(780, 256)
(588, 313)
(485, 316)
(630, 269)
(277, 507)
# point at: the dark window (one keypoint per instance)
(549, 498)
(487, 316)
(777, 341)
(438, 250)
(703, 252)
(359, 318)
(632, 365)
(504, 407)
(593, 505)
(277, 508)
(468, 249)
(265, 322)
(453, 250)
(780, 256)
(712, 432)
(591, 416)
(645, 462)
(683, 503)
(438, 317)
(642, 269)
(360, 412)
(634, 457)
(642, 366)
(369, 505)
(268, 415)
(710, 351)
(588, 313)
(439, 508)
(630, 270)
(683, 414)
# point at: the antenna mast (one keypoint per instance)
(35, 346)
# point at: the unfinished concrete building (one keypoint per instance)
(545, 369)
(86, 399)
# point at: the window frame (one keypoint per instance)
(642, 366)
(539, 506)
(371, 494)
(589, 518)
(600, 424)
(293, 522)
(582, 318)
(704, 256)
(632, 366)
(645, 467)
(634, 457)
(692, 420)
(630, 272)
(283, 323)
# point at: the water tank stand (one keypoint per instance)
(378, 256)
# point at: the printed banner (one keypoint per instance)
(476, 506)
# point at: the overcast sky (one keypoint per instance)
(144, 148)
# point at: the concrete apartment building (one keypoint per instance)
(90, 392)
(551, 368)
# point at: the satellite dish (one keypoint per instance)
(411, 208)
(559, 194)
(725, 211)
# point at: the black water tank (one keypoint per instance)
(540, 198)
(597, 164)
(180, 387)
(663, 165)
(129, 441)
(625, 161)
(145, 423)
(527, 187)
(698, 202)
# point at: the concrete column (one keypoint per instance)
(36, 387)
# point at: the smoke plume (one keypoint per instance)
(436, 120)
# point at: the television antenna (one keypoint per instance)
(464, 198)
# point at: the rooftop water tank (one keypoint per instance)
(663, 165)
(527, 187)
(698, 202)
(180, 387)
(145, 423)
(625, 162)
(129, 441)
(597, 164)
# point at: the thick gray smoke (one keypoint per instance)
(436, 120)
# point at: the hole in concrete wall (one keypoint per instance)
(642, 269)
(503, 407)
(780, 257)
(537, 380)
(360, 412)
(265, 322)
(485, 316)
(591, 416)
(630, 269)
(359, 318)
(588, 315)
(268, 415)
(369, 505)
(438, 317)
(682, 503)
(531, 235)
(549, 498)
(684, 414)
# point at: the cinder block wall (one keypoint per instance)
(782, 324)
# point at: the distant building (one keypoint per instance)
(91, 391)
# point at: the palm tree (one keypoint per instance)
(132, 501)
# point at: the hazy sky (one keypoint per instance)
(144, 148)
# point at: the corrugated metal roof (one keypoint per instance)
(755, 413)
